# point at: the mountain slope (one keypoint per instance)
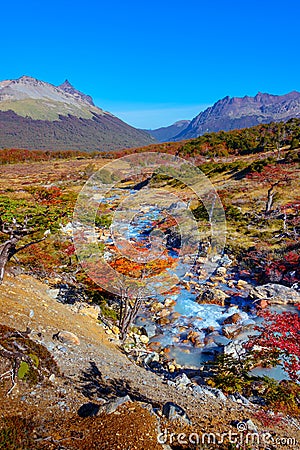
(165, 134)
(38, 115)
(234, 113)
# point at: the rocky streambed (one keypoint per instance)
(201, 316)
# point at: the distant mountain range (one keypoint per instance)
(165, 134)
(234, 113)
(38, 115)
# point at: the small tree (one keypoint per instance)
(278, 342)
(15, 232)
(129, 308)
(272, 177)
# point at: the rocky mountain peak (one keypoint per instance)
(66, 86)
(241, 112)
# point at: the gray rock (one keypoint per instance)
(151, 329)
(225, 260)
(231, 331)
(88, 410)
(221, 340)
(152, 357)
(239, 398)
(182, 381)
(148, 407)
(250, 425)
(234, 349)
(275, 294)
(257, 400)
(207, 391)
(211, 348)
(248, 323)
(112, 405)
(66, 337)
(54, 293)
(172, 412)
(49, 346)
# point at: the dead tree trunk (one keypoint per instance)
(129, 308)
(7, 251)
(270, 198)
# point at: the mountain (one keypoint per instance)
(165, 134)
(234, 113)
(38, 115)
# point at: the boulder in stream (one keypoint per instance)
(212, 296)
(275, 294)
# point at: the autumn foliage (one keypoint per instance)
(137, 270)
(278, 340)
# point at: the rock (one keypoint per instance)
(66, 337)
(257, 400)
(262, 304)
(144, 339)
(211, 348)
(221, 340)
(231, 331)
(208, 340)
(90, 311)
(52, 378)
(169, 303)
(88, 410)
(234, 349)
(156, 306)
(164, 313)
(62, 349)
(112, 405)
(148, 407)
(198, 343)
(193, 336)
(221, 271)
(175, 315)
(172, 411)
(53, 293)
(49, 346)
(234, 318)
(154, 346)
(163, 321)
(171, 367)
(275, 294)
(212, 296)
(225, 261)
(242, 284)
(239, 398)
(151, 329)
(247, 425)
(151, 358)
(208, 391)
(182, 381)
(248, 323)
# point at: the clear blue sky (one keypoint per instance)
(154, 62)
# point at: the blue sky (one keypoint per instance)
(154, 62)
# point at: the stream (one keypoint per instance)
(190, 331)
